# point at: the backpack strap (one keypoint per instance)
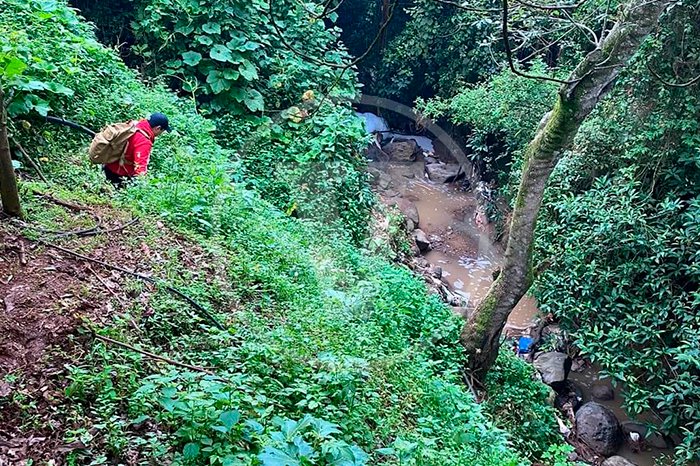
(144, 133)
(122, 160)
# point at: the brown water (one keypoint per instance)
(462, 244)
(463, 248)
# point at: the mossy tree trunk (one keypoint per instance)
(8, 183)
(587, 85)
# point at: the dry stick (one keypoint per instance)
(116, 296)
(468, 8)
(61, 233)
(95, 230)
(67, 204)
(31, 161)
(110, 290)
(572, 6)
(82, 233)
(155, 356)
(22, 253)
(174, 291)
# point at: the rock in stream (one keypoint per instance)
(553, 367)
(598, 427)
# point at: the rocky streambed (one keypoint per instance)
(454, 250)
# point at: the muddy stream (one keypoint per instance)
(461, 242)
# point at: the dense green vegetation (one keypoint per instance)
(618, 236)
(331, 355)
(287, 119)
(620, 242)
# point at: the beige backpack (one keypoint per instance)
(109, 145)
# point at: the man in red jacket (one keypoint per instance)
(138, 150)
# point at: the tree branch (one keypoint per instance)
(552, 7)
(584, 29)
(468, 8)
(509, 53)
(692, 82)
(315, 60)
(153, 356)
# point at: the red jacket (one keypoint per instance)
(138, 151)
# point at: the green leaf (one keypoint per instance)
(231, 74)
(174, 64)
(238, 94)
(221, 53)
(19, 106)
(16, 164)
(250, 46)
(230, 418)
(276, 457)
(333, 17)
(211, 28)
(59, 89)
(14, 67)
(255, 426)
(254, 101)
(192, 58)
(205, 40)
(41, 106)
(217, 81)
(32, 85)
(190, 451)
(167, 403)
(230, 460)
(184, 29)
(325, 428)
(248, 71)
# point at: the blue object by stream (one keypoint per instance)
(524, 345)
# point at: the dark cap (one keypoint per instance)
(158, 119)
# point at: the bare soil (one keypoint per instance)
(46, 299)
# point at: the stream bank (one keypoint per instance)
(456, 253)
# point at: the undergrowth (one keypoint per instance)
(329, 356)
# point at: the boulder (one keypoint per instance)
(384, 181)
(444, 173)
(598, 427)
(617, 461)
(421, 240)
(552, 366)
(402, 151)
(422, 262)
(654, 439)
(410, 211)
(429, 160)
(435, 271)
(375, 153)
(374, 173)
(602, 390)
